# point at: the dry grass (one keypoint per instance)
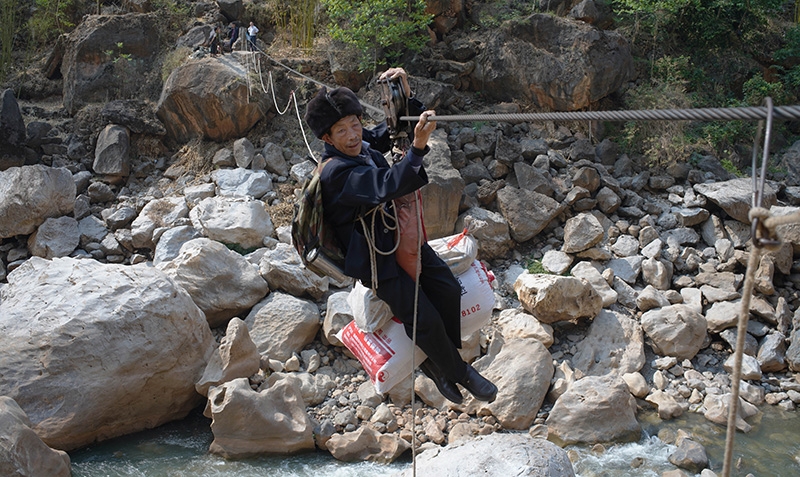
(281, 214)
(195, 157)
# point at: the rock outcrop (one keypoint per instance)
(236, 357)
(442, 194)
(553, 62)
(87, 67)
(12, 132)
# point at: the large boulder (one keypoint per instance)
(594, 409)
(32, 194)
(366, 444)
(93, 351)
(527, 212)
(232, 9)
(521, 369)
(442, 194)
(220, 281)
(553, 62)
(676, 330)
(12, 132)
(587, 271)
(735, 196)
(717, 410)
(282, 324)
(208, 98)
(246, 422)
(233, 220)
(89, 71)
(22, 452)
(516, 323)
(495, 454)
(552, 298)
(613, 344)
(171, 241)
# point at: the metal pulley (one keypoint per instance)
(395, 105)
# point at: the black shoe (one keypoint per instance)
(480, 387)
(447, 388)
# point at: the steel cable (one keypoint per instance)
(750, 113)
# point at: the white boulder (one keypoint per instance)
(220, 281)
(93, 351)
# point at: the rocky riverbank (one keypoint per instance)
(140, 279)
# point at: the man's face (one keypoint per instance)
(345, 135)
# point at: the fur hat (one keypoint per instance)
(327, 107)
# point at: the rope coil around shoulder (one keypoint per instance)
(369, 236)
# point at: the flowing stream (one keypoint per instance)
(178, 449)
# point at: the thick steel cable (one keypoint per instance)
(751, 113)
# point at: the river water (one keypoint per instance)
(178, 449)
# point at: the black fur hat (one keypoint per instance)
(327, 107)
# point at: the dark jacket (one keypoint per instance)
(351, 187)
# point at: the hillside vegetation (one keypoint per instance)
(689, 53)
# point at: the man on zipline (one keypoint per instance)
(358, 178)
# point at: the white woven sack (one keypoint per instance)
(369, 311)
(457, 251)
(385, 353)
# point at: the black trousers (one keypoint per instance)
(438, 314)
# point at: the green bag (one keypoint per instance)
(313, 239)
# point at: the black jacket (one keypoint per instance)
(351, 186)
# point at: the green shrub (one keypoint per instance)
(391, 26)
(729, 166)
(757, 88)
(662, 142)
(49, 19)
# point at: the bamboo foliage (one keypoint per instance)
(301, 22)
(8, 26)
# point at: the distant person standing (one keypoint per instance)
(252, 31)
(213, 41)
(233, 35)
